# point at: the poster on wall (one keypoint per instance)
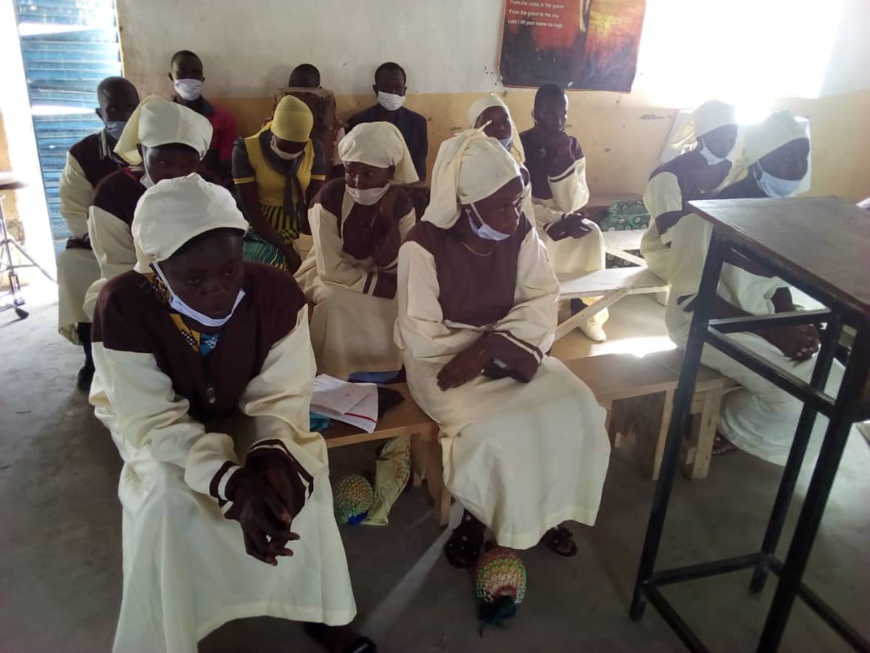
(577, 44)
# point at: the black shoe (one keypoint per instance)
(577, 305)
(86, 375)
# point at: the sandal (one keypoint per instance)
(463, 548)
(722, 446)
(555, 539)
(321, 634)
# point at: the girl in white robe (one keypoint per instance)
(689, 176)
(557, 166)
(191, 338)
(357, 224)
(758, 418)
(523, 440)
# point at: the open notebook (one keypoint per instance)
(353, 403)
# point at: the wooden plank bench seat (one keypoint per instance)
(636, 391)
(610, 285)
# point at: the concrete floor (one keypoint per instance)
(60, 560)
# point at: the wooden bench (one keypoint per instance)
(637, 393)
(610, 285)
(621, 243)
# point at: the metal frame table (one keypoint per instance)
(833, 267)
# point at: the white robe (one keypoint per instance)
(520, 457)
(662, 195)
(77, 268)
(759, 417)
(571, 256)
(351, 328)
(186, 572)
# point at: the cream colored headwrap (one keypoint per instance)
(174, 211)
(469, 167)
(293, 120)
(773, 132)
(707, 117)
(493, 100)
(157, 122)
(379, 144)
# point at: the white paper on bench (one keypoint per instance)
(352, 403)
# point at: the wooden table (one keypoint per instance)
(822, 247)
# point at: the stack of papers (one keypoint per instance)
(352, 403)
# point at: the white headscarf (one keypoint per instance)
(705, 118)
(469, 167)
(770, 134)
(157, 122)
(379, 144)
(493, 100)
(174, 211)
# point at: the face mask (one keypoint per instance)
(390, 101)
(774, 186)
(188, 89)
(176, 303)
(282, 154)
(115, 128)
(367, 196)
(711, 158)
(484, 230)
(507, 143)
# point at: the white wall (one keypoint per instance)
(249, 47)
(849, 66)
(451, 46)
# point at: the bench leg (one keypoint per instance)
(419, 457)
(655, 461)
(703, 433)
(644, 419)
(429, 456)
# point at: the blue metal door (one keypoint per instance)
(68, 46)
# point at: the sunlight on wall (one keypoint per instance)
(747, 52)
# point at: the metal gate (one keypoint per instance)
(68, 46)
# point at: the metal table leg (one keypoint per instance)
(679, 423)
(848, 403)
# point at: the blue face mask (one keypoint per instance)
(774, 186)
(484, 230)
(115, 128)
(507, 143)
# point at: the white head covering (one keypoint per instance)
(379, 144)
(469, 167)
(773, 132)
(705, 118)
(174, 211)
(157, 122)
(493, 100)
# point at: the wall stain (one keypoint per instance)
(652, 116)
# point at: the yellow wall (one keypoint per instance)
(622, 136)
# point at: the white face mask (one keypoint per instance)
(774, 186)
(115, 128)
(390, 101)
(507, 143)
(711, 158)
(188, 89)
(176, 303)
(484, 230)
(367, 196)
(281, 154)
